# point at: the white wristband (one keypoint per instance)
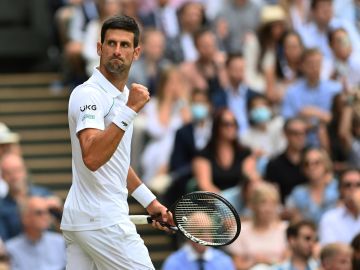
(124, 118)
(143, 195)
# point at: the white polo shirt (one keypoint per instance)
(97, 199)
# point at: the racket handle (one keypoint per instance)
(146, 219)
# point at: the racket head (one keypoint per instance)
(207, 218)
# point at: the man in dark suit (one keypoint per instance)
(189, 139)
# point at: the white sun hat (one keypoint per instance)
(6, 136)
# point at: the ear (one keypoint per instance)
(137, 52)
(98, 48)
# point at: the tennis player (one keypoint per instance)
(95, 222)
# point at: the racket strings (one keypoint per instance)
(207, 219)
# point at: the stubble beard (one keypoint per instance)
(116, 68)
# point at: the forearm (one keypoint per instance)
(133, 180)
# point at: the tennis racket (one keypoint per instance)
(203, 217)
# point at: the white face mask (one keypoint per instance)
(199, 111)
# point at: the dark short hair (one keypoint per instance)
(314, 3)
(122, 22)
(345, 172)
(310, 52)
(294, 228)
(291, 120)
(232, 56)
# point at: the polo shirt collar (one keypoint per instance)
(192, 255)
(106, 85)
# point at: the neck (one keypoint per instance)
(235, 84)
(312, 82)
(299, 262)
(33, 235)
(294, 155)
(118, 80)
(260, 224)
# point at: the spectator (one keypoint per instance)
(355, 244)
(164, 115)
(192, 18)
(193, 256)
(342, 223)
(207, 72)
(287, 66)
(106, 8)
(237, 93)
(9, 143)
(314, 33)
(297, 11)
(349, 130)
(162, 17)
(284, 170)
(265, 136)
(346, 60)
(336, 256)
(262, 239)
(189, 140)
(36, 248)
(236, 18)
(223, 163)
(147, 69)
(320, 193)
(301, 237)
(260, 50)
(14, 172)
(311, 97)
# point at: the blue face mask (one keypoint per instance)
(260, 115)
(199, 111)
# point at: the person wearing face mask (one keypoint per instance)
(264, 136)
(189, 139)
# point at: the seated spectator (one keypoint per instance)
(262, 239)
(265, 136)
(9, 143)
(189, 140)
(301, 237)
(147, 69)
(315, 33)
(191, 16)
(193, 256)
(234, 21)
(106, 9)
(311, 97)
(164, 114)
(287, 68)
(320, 193)
(342, 224)
(355, 244)
(260, 49)
(207, 72)
(349, 129)
(237, 93)
(284, 170)
(336, 256)
(223, 163)
(14, 172)
(163, 17)
(346, 59)
(36, 248)
(25, 34)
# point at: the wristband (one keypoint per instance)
(143, 195)
(124, 118)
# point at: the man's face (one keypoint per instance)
(206, 46)
(312, 66)
(303, 243)
(236, 70)
(341, 261)
(323, 12)
(350, 186)
(296, 135)
(13, 171)
(117, 51)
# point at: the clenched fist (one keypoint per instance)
(138, 97)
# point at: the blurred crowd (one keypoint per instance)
(256, 100)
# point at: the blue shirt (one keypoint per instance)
(48, 253)
(287, 265)
(186, 258)
(300, 95)
(300, 198)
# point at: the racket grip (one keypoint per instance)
(145, 219)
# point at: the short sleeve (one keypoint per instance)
(86, 108)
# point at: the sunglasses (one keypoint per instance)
(40, 212)
(348, 184)
(228, 123)
(296, 132)
(308, 163)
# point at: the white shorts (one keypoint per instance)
(111, 248)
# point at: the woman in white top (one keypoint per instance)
(165, 113)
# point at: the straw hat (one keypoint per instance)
(6, 136)
(272, 13)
